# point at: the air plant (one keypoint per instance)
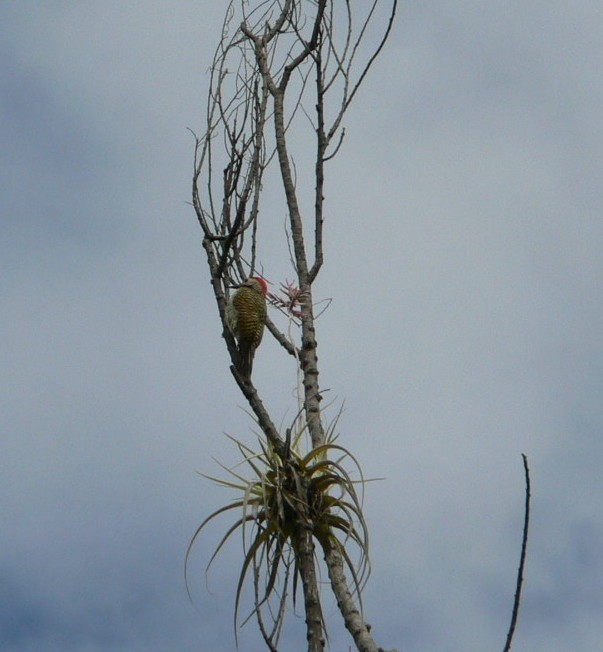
(285, 492)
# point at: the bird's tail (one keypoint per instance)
(245, 361)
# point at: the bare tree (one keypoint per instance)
(282, 66)
(284, 74)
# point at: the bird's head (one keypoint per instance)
(258, 284)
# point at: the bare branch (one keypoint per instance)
(348, 98)
(522, 561)
(281, 338)
(351, 614)
(262, 415)
(309, 47)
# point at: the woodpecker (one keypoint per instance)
(246, 316)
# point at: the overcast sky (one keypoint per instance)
(463, 256)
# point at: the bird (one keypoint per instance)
(245, 317)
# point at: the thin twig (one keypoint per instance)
(524, 545)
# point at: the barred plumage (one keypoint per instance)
(246, 316)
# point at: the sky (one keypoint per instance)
(463, 260)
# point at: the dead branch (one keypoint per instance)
(522, 560)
